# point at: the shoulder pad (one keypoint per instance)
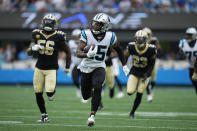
(60, 32)
(36, 30)
(131, 43)
(151, 46)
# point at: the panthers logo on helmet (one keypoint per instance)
(49, 22)
(102, 21)
(141, 38)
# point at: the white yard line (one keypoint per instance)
(11, 122)
(152, 114)
(109, 126)
(104, 118)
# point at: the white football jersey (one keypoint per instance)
(190, 52)
(89, 64)
(73, 47)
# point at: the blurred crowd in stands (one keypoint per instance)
(99, 5)
(16, 52)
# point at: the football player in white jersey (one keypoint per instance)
(188, 47)
(93, 65)
(76, 33)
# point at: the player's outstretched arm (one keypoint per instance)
(120, 52)
(80, 53)
(67, 50)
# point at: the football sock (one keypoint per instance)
(49, 94)
(136, 102)
(40, 102)
(152, 84)
(148, 89)
(118, 83)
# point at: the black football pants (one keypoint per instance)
(91, 86)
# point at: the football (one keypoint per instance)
(86, 48)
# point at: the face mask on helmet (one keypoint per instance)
(49, 23)
(140, 41)
(97, 27)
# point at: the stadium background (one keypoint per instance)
(173, 108)
(168, 20)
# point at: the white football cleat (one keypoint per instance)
(91, 121)
(120, 95)
(150, 98)
(84, 101)
(44, 119)
(51, 98)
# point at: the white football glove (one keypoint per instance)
(36, 47)
(66, 70)
(194, 76)
(92, 53)
(125, 70)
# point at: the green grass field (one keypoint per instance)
(173, 109)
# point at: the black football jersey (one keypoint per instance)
(141, 59)
(51, 44)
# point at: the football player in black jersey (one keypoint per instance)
(154, 41)
(144, 56)
(46, 43)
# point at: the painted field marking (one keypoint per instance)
(109, 126)
(11, 122)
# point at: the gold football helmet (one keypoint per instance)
(49, 23)
(141, 38)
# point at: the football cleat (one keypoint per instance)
(120, 95)
(131, 116)
(44, 119)
(84, 101)
(51, 98)
(150, 98)
(111, 93)
(91, 121)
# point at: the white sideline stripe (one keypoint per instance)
(11, 122)
(110, 126)
(126, 119)
(155, 114)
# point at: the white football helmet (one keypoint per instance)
(104, 22)
(49, 22)
(141, 38)
(76, 32)
(191, 34)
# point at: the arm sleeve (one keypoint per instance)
(120, 54)
(83, 36)
(181, 44)
(151, 64)
(113, 39)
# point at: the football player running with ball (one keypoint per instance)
(45, 44)
(93, 63)
(143, 55)
(188, 47)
